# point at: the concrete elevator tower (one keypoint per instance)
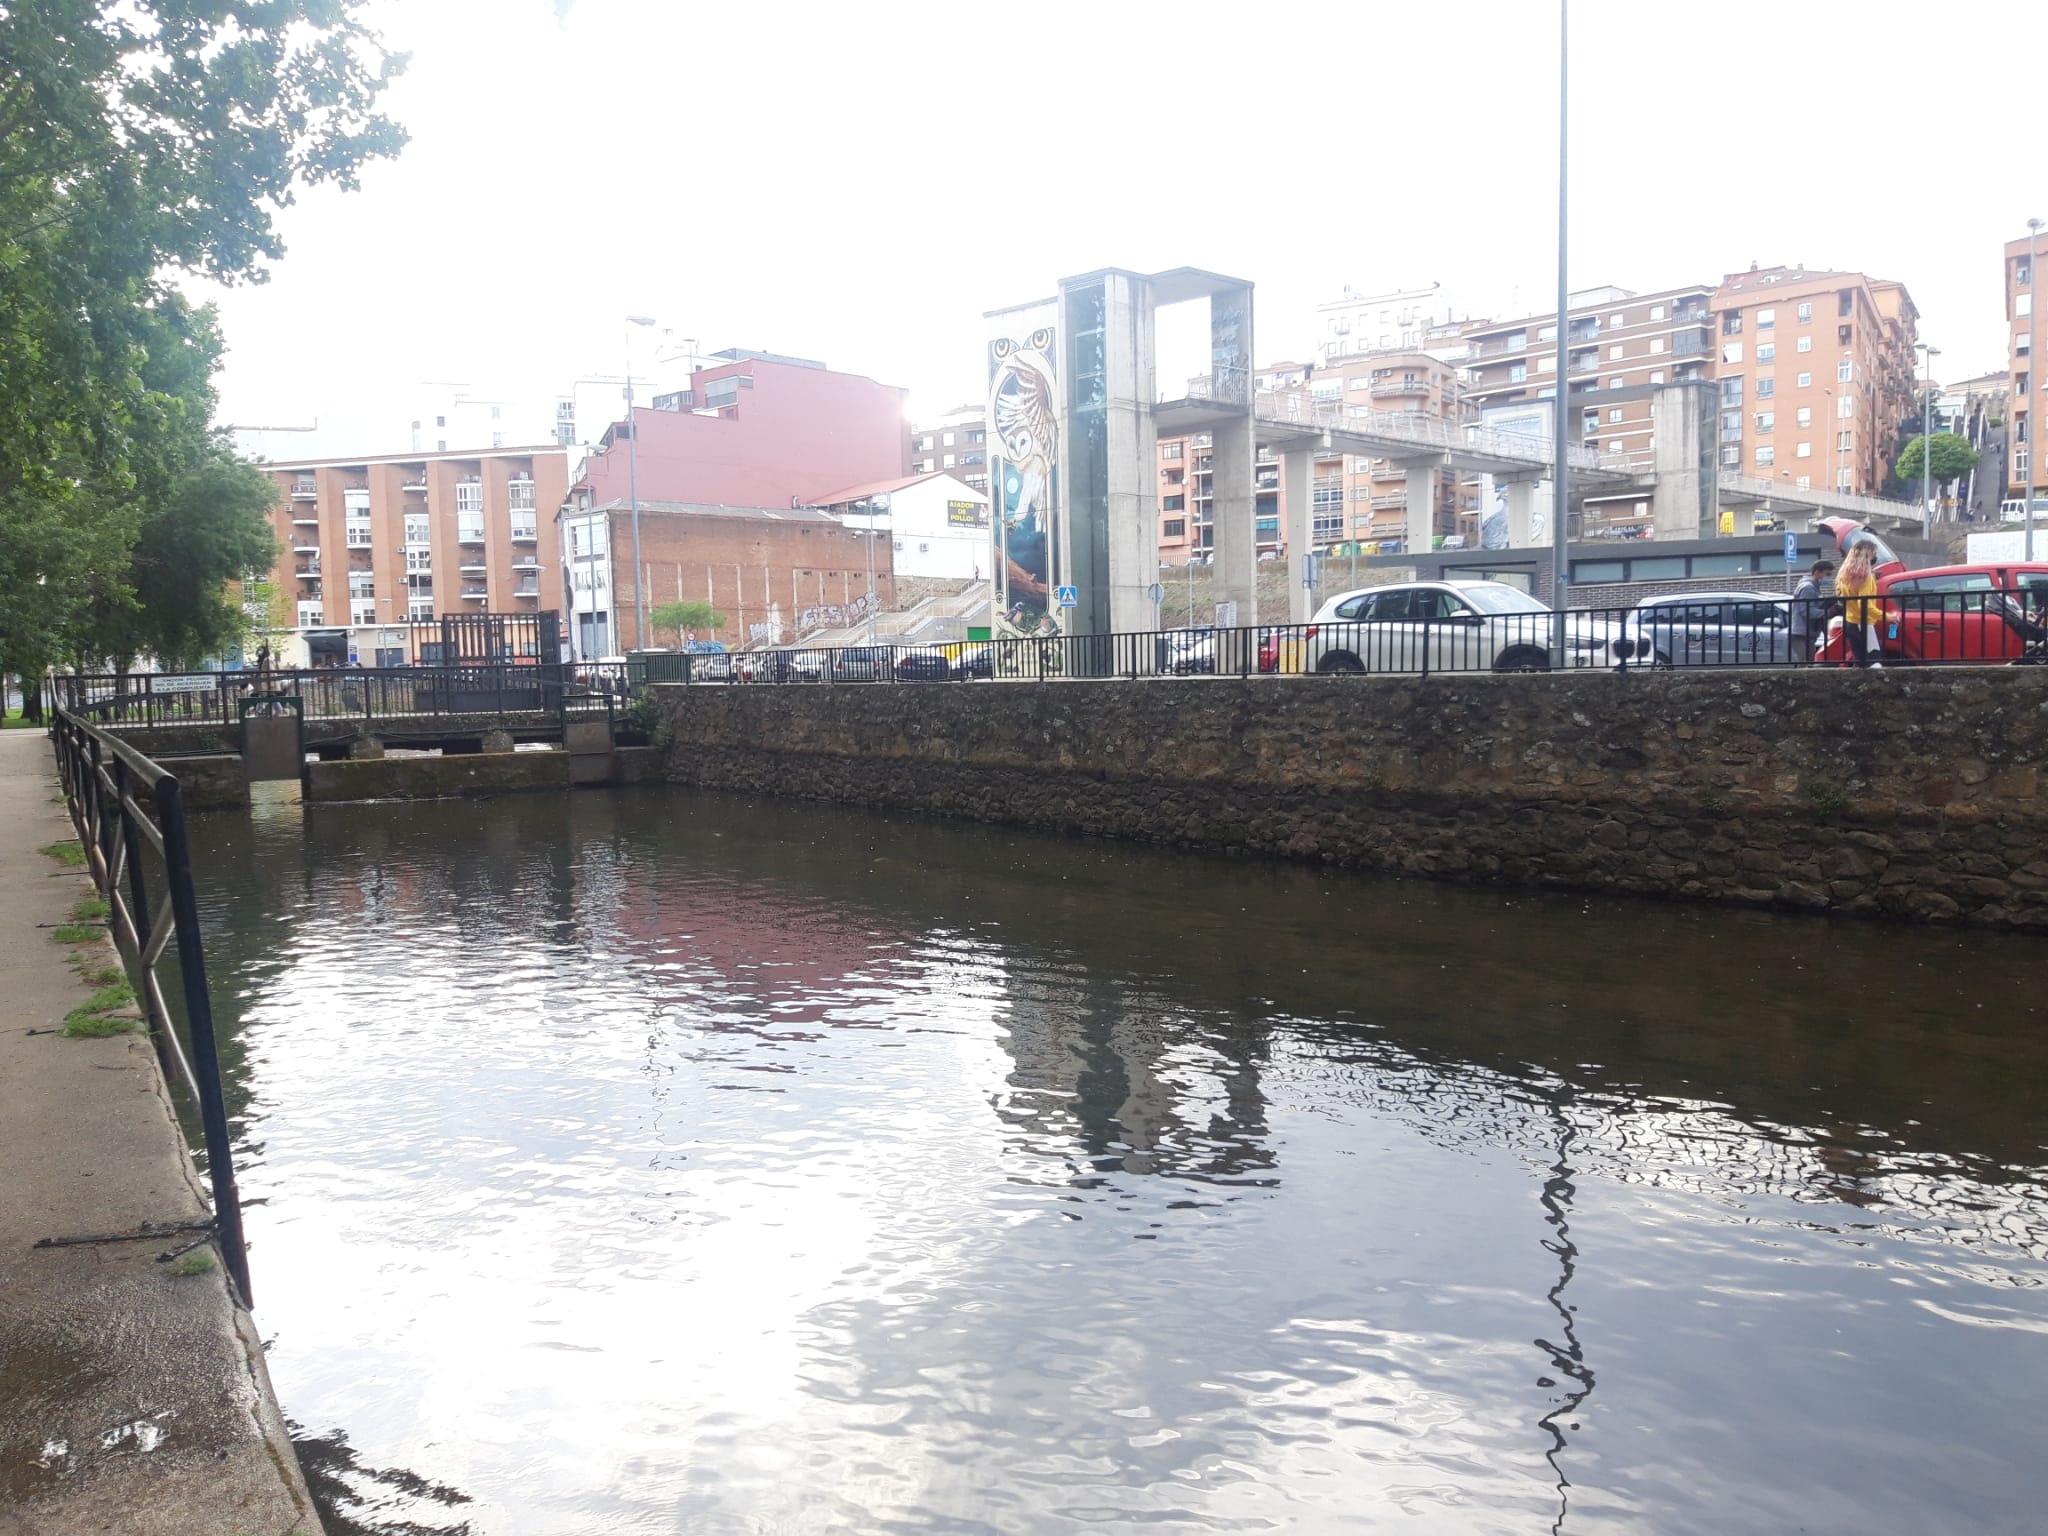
(1074, 421)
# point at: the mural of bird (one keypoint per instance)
(1025, 414)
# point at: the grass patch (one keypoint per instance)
(1828, 799)
(14, 722)
(198, 1262)
(90, 909)
(75, 933)
(81, 1025)
(71, 855)
(114, 994)
(102, 975)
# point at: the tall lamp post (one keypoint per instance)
(1834, 437)
(1927, 440)
(2033, 376)
(1560, 499)
(633, 484)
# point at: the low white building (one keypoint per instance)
(938, 524)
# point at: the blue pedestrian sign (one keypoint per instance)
(1067, 597)
(1791, 549)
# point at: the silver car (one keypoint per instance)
(1712, 629)
(1443, 626)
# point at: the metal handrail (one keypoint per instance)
(103, 780)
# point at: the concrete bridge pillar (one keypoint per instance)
(1232, 457)
(1421, 476)
(367, 745)
(498, 741)
(1297, 527)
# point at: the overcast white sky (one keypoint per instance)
(858, 183)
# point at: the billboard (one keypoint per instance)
(966, 514)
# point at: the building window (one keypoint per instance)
(469, 497)
(1731, 426)
(1845, 302)
(1176, 528)
(1765, 388)
(1657, 376)
(946, 461)
(1175, 503)
(1806, 343)
(1170, 450)
(1845, 371)
(525, 527)
(1766, 319)
(1766, 457)
(1731, 457)
(1656, 343)
(1765, 420)
(1806, 415)
(1656, 311)
(2023, 304)
(1613, 352)
(1805, 450)
(1731, 351)
(1731, 391)
(946, 441)
(1731, 323)
(1518, 373)
(1766, 351)
(1805, 381)
(1845, 407)
(416, 528)
(311, 614)
(1842, 479)
(1805, 314)
(1844, 441)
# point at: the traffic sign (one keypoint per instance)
(1067, 597)
(1154, 594)
(1791, 548)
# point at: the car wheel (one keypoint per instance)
(1523, 659)
(1340, 661)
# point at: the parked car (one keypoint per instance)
(926, 663)
(796, 666)
(1441, 626)
(1980, 614)
(1710, 629)
(1187, 652)
(860, 664)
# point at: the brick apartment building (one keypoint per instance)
(730, 467)
(373, 546)
(956, 444)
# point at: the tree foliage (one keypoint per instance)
(141, 140)
(675, 618)
(1953, 457)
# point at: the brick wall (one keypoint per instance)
(1902, 794)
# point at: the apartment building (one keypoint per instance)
(373, 545)
(2022, 479)
(956, 444)
(1815, 372)
(1357, 323)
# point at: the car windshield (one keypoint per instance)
(1498, 597)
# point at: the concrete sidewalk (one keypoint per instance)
(131, 1401)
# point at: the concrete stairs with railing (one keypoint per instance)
(936, 620)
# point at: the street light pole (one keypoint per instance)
(1560, 497)
(1834, 436)
(633, 485)
(1927, 442)
(2033, 376)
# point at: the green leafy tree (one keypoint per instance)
(1953, 457)
(675, 618)
(141, 140)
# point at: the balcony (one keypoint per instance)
(527, 589)
(305, 490)
(1692, 344)
(359, 535)
(475, 594)
(309, 571)
(414, 487)
(471, 567)
(1383, 387)
(1503, 347)
(310, 520)
(1388, 500)
(469, 533)
(526, 563)
(310, 547)
(522, 535)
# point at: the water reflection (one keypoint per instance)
(653, 1162)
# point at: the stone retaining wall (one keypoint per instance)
(1909, 793)
(428, 778)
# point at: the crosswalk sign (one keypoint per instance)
(1067, 597)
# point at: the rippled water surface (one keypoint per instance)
(656, 1162)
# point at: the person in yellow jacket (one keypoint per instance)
(1862, 613)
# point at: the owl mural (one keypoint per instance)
(1023, 412)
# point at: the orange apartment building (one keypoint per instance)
(372, 546)
(2020, 477)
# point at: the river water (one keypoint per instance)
(649, 1161)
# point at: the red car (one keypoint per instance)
(1981, 615)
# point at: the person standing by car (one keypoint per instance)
(1809, 610)
(1856, 588)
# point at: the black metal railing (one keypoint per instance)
(1418, 635)
(131, 820)
(363, 693)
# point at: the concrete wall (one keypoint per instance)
(429, 778)
(1908, 794)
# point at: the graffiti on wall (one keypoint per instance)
(1023, 413)
(834, 615)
